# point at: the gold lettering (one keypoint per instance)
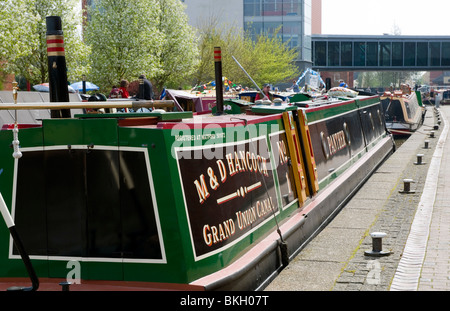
(202, 190)
(221, 232)
(230, 162)
(212, 179)
(222, 170)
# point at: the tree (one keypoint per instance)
(178, 55)
(272, 60)
(27, 54)
(134, 37)
(124, 40)
(17, 38)
(266, 60)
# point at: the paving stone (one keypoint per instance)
(335, 259)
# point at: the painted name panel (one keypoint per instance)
(230, 194)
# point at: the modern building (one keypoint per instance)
(292, 19)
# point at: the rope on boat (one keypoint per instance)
(282, 244)
(16, 154)
(8, 218)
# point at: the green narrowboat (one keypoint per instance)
(179, 199)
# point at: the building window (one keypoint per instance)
(422, 53)
(359, 57)
(320, 53)
(252, 7)
(435, 50)
(385, 54)
(333, 53)
(397, 53)
(372, 54)
(410, 55)
(445, 54)
(346, 54)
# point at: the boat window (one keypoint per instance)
(411, 106)
(86, 203)
(408, 109)
(394, 111)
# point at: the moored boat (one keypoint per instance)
(445, 97)
(403, 111)
(184, 199)
(176, 199)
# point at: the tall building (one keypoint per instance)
(291, 18)
(316, 17)
(226, 13)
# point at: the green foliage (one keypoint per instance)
(124, 40)
(267, 60)
(134, 37)
(273, 60)
(179, 51)
(31, 61)
(18, 38)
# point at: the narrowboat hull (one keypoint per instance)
(404, 113)
(194, 201)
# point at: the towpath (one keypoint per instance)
(416, 224)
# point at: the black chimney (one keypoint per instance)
(57, 71)
(219, 85)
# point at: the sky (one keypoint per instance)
(377, 17)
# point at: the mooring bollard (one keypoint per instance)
(377, 249)
(419, 159)
(426, 144)
(436, 127)
(407, 186)
(65, 286)
(432, 134)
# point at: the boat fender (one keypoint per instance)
(159, 110)
(277, 101)
(284, 254)
(283, 250)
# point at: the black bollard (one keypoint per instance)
(377, 249)
(57, 71)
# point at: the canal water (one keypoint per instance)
(399, 141)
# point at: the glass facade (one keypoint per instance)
(291, 18)
(393, 52)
